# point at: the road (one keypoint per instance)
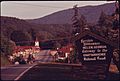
(63, 71)
(15, 71)
(53, 71)
(12, 72)
(43, 56)
(44, 69)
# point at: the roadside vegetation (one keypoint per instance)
(4, 60)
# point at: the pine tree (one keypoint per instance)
(79, 22)
(76, 21)
(102, 19)
(83, 23)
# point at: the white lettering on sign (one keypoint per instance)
(86, 51)
(87, 47)
(91, 43)
(100, 46)
(101, 58)
(95, 54)
(104, 50)
(93, 50)
(87, 59)
(83, 41)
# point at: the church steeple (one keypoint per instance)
(36, 42)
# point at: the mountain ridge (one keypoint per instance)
(91, 13)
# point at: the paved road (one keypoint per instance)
(51, 71)
(43, 56)
(44, 69)
(61, 71)
(13, 72)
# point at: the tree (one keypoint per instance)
(105, 23)
(57, 45)
(7, 30)
(11, 47)
(7, 46)
(83, 20)
(105, 20)
(83, 23)
(32, 32)
(102, 19)
(79, 23)
(76, 25)
(21, 37)
(73, 56)
(43, 35)
(76, 21)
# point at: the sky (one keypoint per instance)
(38, 9)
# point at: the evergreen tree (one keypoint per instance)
(102, 19)
(83, 20)
(7, 46)
(32, 32)
(105, 23)
(21, 38)
(105, 20)
(76, 21)
(83, 23)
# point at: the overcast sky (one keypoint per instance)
(37, 9)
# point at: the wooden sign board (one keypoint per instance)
(94, 51)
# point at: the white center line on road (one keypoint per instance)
(17, 78)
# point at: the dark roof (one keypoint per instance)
(87, 32)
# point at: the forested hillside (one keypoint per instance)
(57, 25)
(91, 13)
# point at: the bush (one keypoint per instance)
(4, 60)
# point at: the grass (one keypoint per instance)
(4, 61)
